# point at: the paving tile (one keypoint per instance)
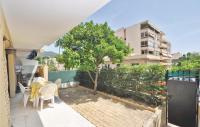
(61, 115)
(102, 111)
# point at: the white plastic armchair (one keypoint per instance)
(26, 93)
(47, 93)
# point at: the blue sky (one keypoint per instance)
(179, 19)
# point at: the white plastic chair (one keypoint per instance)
(26, 93)
(47, 93)
(58, 82)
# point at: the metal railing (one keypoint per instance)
(184, 75)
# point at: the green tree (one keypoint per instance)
(86, 46)
(58, 43)
(51, 65)
(188, 61)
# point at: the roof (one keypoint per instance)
(35, 23)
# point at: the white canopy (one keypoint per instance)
(35, 23)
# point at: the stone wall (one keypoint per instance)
(4, 96)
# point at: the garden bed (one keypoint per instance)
(106, 111)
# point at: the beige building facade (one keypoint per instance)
(149, 44)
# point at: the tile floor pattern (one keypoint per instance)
(61, 115)
(103, 112)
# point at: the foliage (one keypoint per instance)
(41, 60)
(51, 65)
(86, 46)
(60, 59)
(188, 61)
(48, 61)
(140, 82)
(134, 77)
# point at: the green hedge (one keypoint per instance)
(130, 81)
(134, 78)
(125, 81)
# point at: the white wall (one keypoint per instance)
(133, 38)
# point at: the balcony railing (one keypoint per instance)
(163, 45)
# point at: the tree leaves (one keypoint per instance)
(86, 45)
(188, 61)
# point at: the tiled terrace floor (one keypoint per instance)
(61, 115)
(102, 111)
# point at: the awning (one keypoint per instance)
(35, 23)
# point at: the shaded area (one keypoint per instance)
(60, 115)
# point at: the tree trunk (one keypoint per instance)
(96, 81)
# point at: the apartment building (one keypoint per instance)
(149, 43)
(176, 57)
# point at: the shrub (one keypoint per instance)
(140, 82)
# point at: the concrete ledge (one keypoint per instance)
(155, 120)
(68, 85)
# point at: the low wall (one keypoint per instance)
(155, 120)
(65, 76)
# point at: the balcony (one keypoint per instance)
(61, 115)
(147, 33)
(164, 39)
(147, 48)
(164, 51)
(165, 56)
(163, 46)
(150, 26)
(30, 25)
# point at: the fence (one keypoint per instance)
(129, 85)
(65, 76)
(120, 84)
(183, 97)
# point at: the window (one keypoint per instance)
(150, 44)
(157, 53)
(151, 52)
(144, 34)
(144, 44)
(144, 52)
(147, 44)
